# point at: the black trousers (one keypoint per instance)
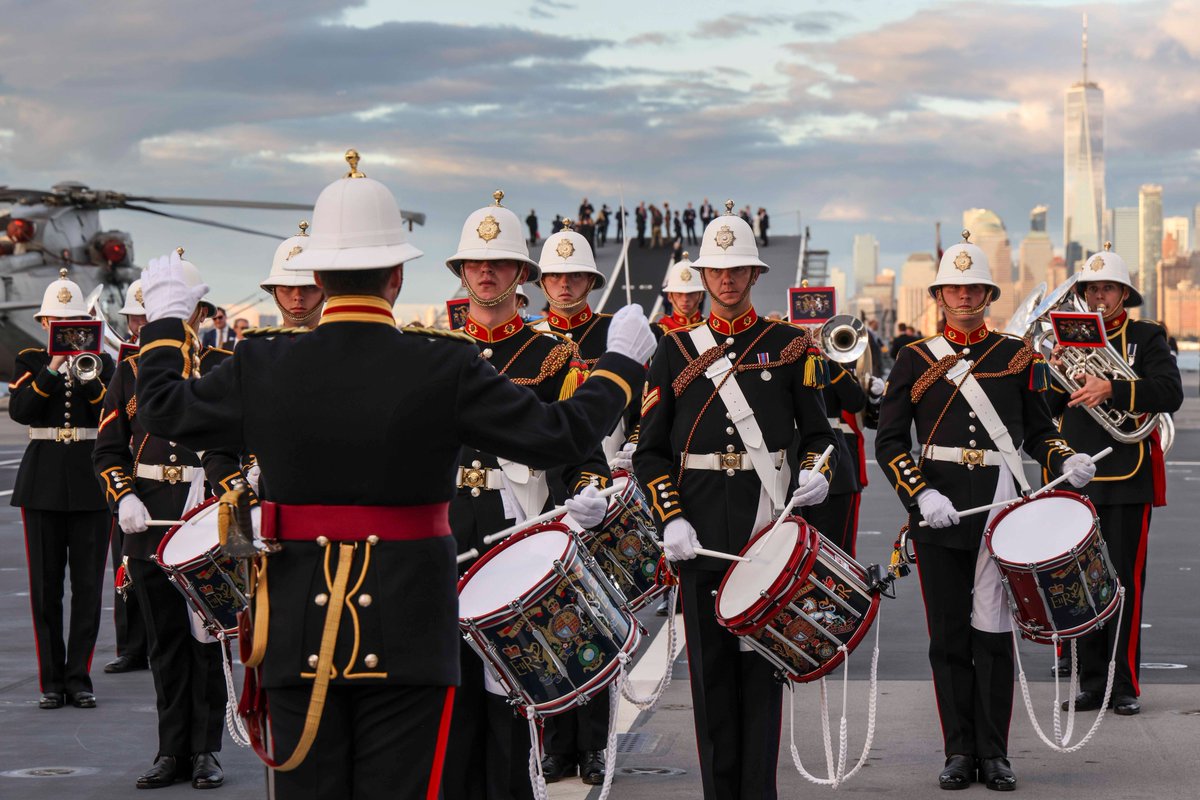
(374, 741)
(189, 682)
(972, 669)
(1125, 529)
(835, 519)
(487, 755)
(736, 701)
(581, 729)
(127, 612)
(55, 540)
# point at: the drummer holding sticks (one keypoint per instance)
(976, 397)
(725, 404)
(486, 758)
(145, 476)
(362, 652)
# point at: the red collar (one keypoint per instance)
(730, 327)
(496, 334)
(956, 336)
(676, 322)
(557, 320)
(1110, 326)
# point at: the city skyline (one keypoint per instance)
(1083, 165)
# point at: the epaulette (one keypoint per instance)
(438, 333)
(921, 341)
(208, 350)
(271, 331)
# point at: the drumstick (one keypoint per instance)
(820, 465)
(1047, 487)
(540, 518)
(165, 523)
(703, 551)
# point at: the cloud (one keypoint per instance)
(732, 26)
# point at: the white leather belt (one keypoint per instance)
(170, 473)
(839, 425)
(480, 478)
(967, 456)
(65, 435)
(729, 462)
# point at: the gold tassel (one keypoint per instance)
(816, 373)
(576, 375)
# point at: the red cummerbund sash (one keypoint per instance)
(354, 523)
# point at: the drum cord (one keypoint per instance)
(1059, 744)
(233, 721)
(837, 772)
(649, 701)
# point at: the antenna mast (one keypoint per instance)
(1085, 78)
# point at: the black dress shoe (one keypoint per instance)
(958, 773)
(661, 611)
(83, 700)
(1062, 667)
(555, 768)
(996, 773)
(206, 771)
(1126, 705)
(591, 767)
(1085, 701)
(126, 664)
(52, 700)
(164, 773)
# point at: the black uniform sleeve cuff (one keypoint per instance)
(664, 500)
(810, 461)
(1124, 395)
(1057, 451)
(906, 478)
(589, 479)
(117, 484)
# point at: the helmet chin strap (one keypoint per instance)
(498, 299)
(306, 321)
(569, 310)
(968, 312)
(741, 298)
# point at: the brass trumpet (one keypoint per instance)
(84, 367)
(844, 339)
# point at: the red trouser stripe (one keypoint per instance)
(439, 755)
(1135, 624)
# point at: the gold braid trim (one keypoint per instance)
(932, 375)
(1018, 363)
(436, 333)
(793, 352)
(696, 367)
(272, 331)
(131, 407)
(558, 356)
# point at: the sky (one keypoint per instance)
(855, 116)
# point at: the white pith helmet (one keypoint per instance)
(1108, 266)
(288, 250)
(492, 233)
(62, 298)
(133, 301)
(729, 242)
(356, 226)
(963, 264)
(567, 251)
(191, 276)
(683, 277)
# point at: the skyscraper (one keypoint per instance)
(1083, 166)
(1175, 228)
(913, 303)
(1122, 231)
(988, 232)
(1150, 235)
(1036, 253)
(866, 260)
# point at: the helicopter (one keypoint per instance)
(45, 231)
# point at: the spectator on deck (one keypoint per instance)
(656, 221)
(602, 220)
(904, 337)
(640, 220)
(764, 222)
(556, 226)
(585, 211)
(678, 227)
(532, 222)
(689, 224)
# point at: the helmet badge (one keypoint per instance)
(64, 295)
(565, 248)
(724, 238)
(963, 261)
(1097, 263)
(685, 275)
(295, 251)
(137, 295)
(488, 229)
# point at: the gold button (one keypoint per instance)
(372, 539)
(365, 600)
(174, 458)
(372, 661)
(321, 599)
(322, 541)
(312, 661)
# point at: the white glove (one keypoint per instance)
(877, 386)
(166, 292)
(1079, 469)
(252, 477)
(813, 488)
(588, 507)
(132, 515)
(623, 458)
(679, 540)
(937, 509)
(628, 334)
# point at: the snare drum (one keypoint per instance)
(1054, 565)
(798, 601)
(545, 620)
(210, 580)
(625, 544)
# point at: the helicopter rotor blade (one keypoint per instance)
(201, 221)
(196, 201)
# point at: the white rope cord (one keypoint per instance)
(237, 731)
(614, 702)
(649, 701)
(837, 773)
(1059, 744)
(537, 779)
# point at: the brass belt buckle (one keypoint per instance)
(473, 478)
(731, 462)
(67, 435)
(972, 457)
(172, 474)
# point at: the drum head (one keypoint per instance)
(1041, 529)
(746, 579)
(198, 534)
(512, 569)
